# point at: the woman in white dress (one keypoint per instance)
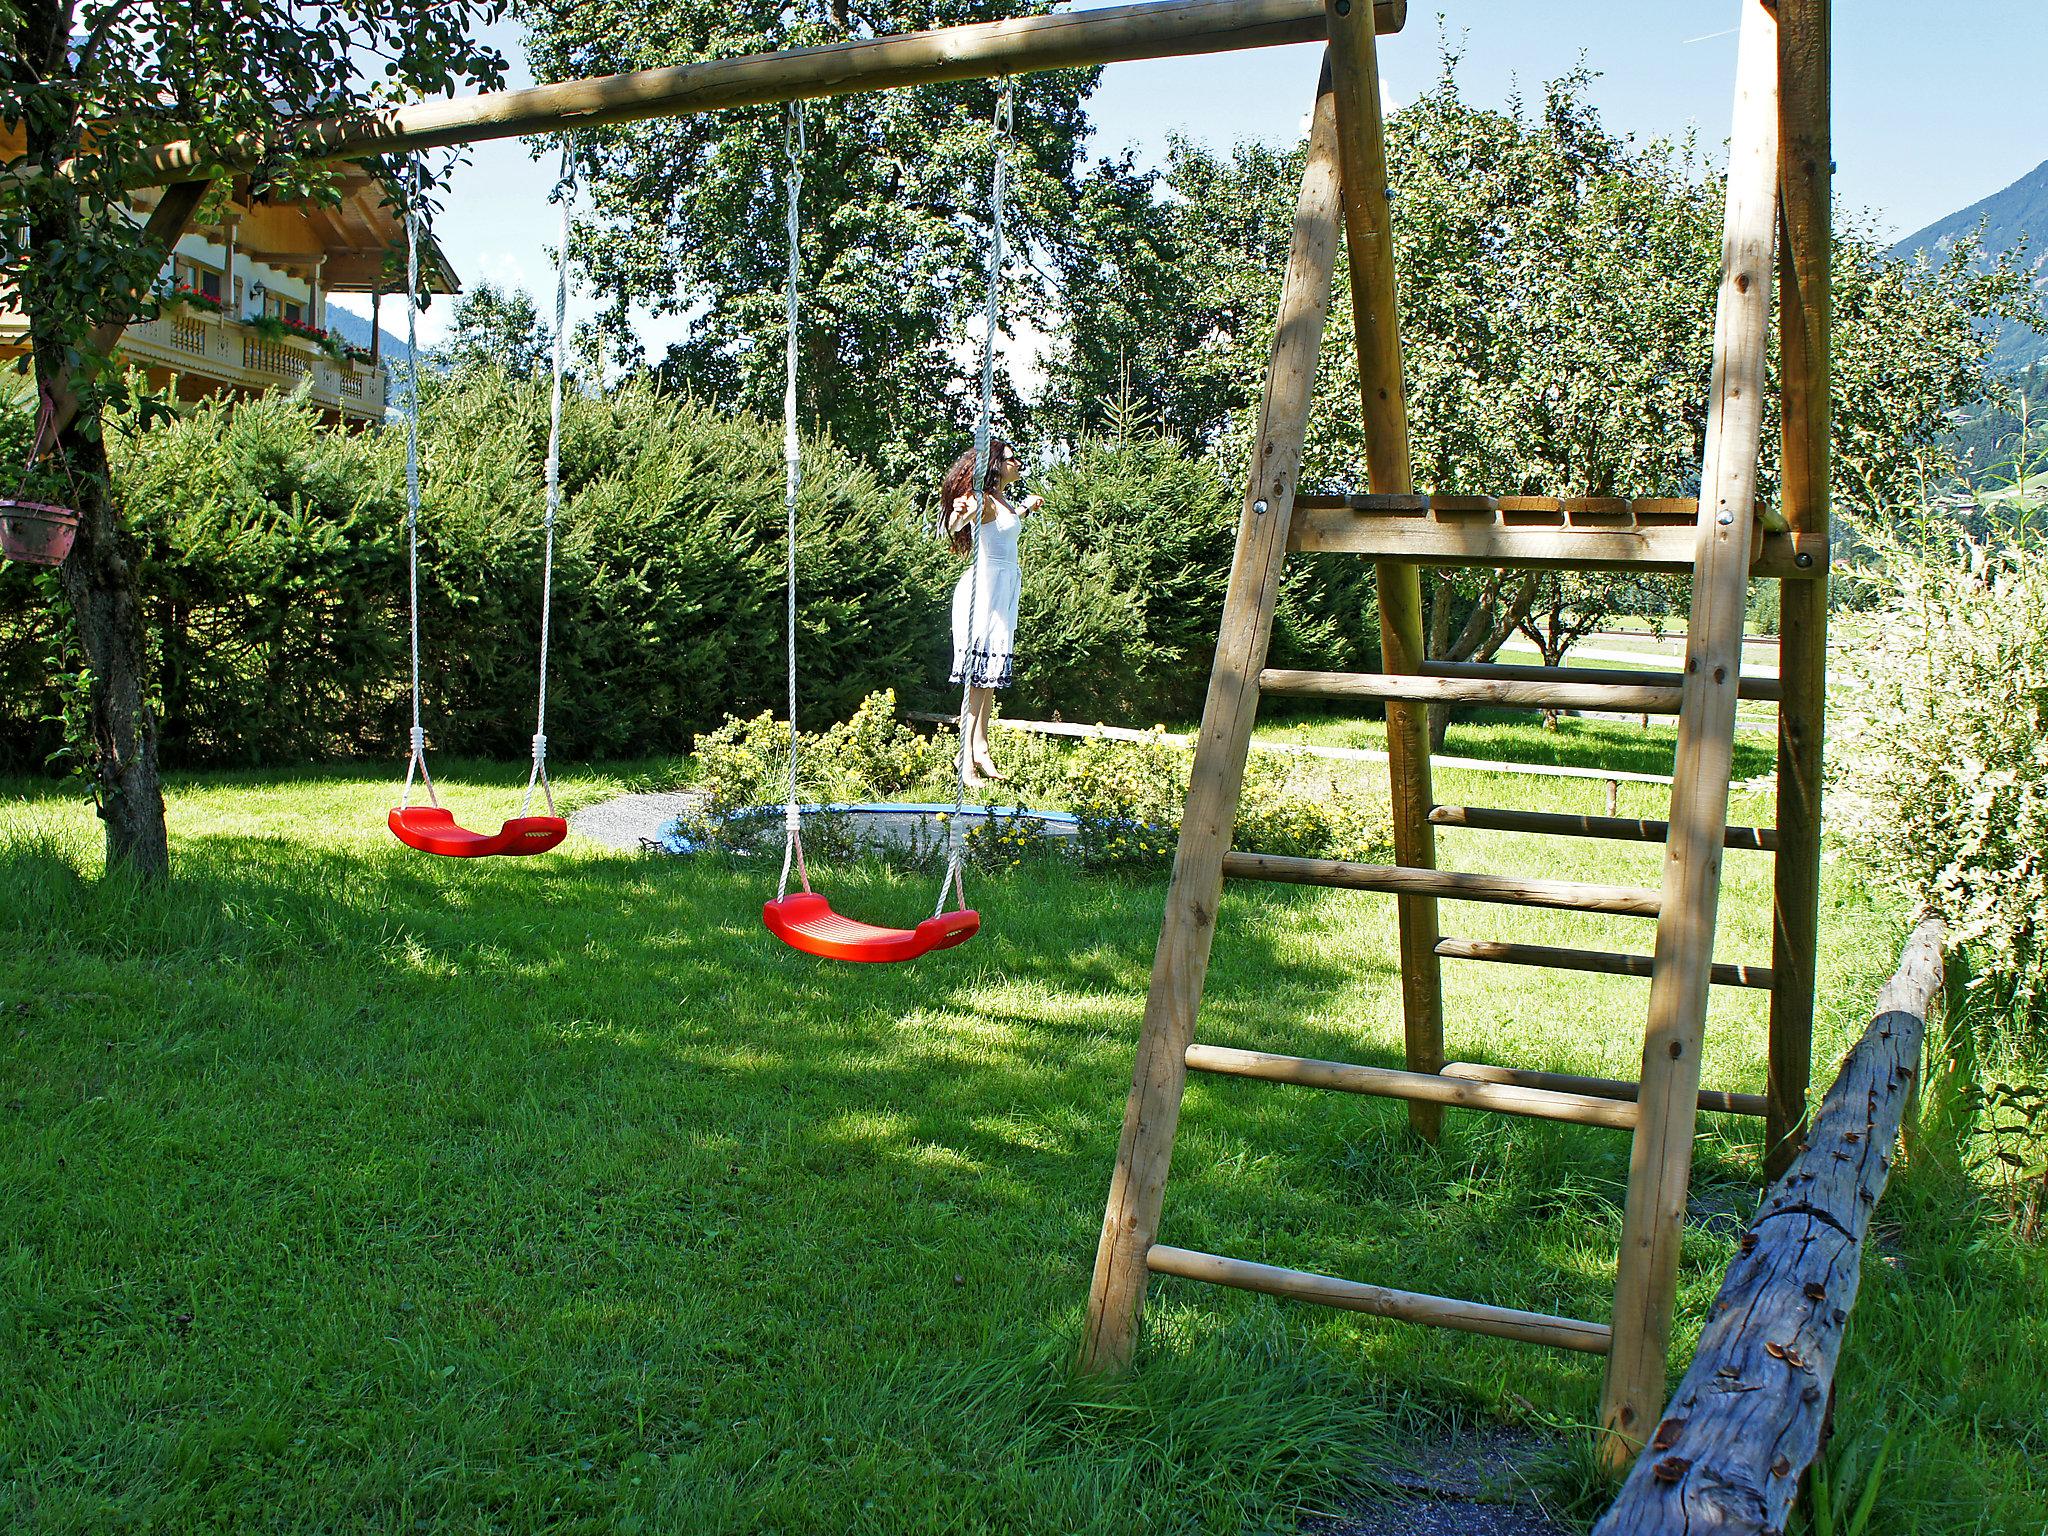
(985, 598)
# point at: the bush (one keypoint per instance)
(744, 764)
(1128, 798)
(1124, 578)
(1937, 765)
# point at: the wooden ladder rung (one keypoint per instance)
(1387, 1082)
(1509, 890)
(1484, 818)
(1714, 1099)
(1603, 961)
(1625, 698)
(1380, 1301)
(1762, 688)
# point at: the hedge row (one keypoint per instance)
(272, 557)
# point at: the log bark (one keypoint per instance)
(1746, 1420)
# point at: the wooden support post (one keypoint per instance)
(1369, 233)
(1660, 1166)
(1746, 1420)
(1806, 313)
(1138, 1189)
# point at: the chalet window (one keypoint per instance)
(284, 308)
(197, 276)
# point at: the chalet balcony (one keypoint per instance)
(197, 355)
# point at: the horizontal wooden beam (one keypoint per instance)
(1484, 818)
(1379, 1301)
(1713, 1099)
(1422, 1087)
(1508, 890)
(1600, 961)
(1021, 45)
(1328, 525)
(1627, 698)
(1766, 688)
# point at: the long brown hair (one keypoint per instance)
(955, 485)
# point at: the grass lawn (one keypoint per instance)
(343, 1189)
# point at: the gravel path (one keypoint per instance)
(631, 819)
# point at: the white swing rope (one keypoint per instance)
(956, 844)
(417, 762)
(792, 461)
(565, 194)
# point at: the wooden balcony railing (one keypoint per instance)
(217, 348)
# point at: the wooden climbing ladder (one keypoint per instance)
(1778, 179)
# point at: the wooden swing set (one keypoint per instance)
(1777, 224)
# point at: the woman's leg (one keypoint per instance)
(974, 735)
(984, 706)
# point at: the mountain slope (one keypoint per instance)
(355, 329)
(2019, 212)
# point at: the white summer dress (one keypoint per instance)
(985, 604)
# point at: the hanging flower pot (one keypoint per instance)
(36, 532)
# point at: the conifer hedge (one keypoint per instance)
(273, 558)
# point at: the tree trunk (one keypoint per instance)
(99, 579)
(1492, 619)
(99, 576)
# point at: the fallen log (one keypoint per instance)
(1746, 1420)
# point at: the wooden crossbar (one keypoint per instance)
(1428, 1087)
(1715, 1099)
(1380, 1301)
(1767, 688)
(1484, 818)
(1603, 962)
(1017, 45)
(1628, 698)
(1508, 890)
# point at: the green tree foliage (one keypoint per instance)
(91, 86)
(688, 217)
(1172, 281)
(496, 327)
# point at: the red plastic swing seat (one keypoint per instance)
(433, 830)
(807, 922)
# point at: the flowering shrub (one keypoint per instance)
(278, 328)
(191, 298)
(1004, 842)
(877, 756)
(1128, 798)
(745, 763)
(1938, 755)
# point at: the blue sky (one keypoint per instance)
(1934, 107)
